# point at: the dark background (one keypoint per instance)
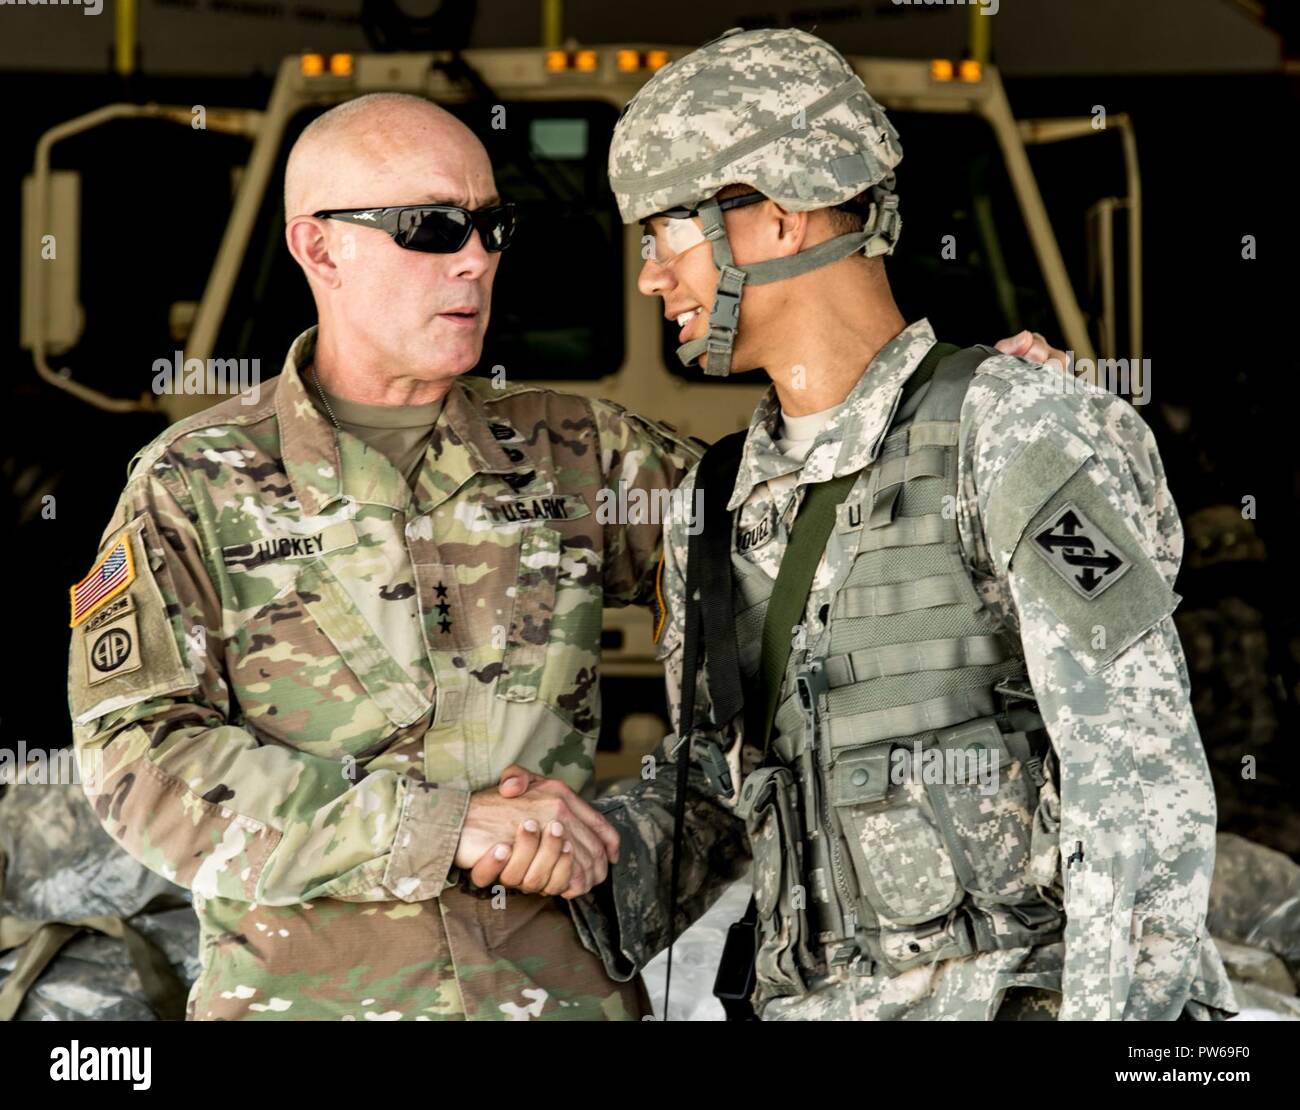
(1215, 104)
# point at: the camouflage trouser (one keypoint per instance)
(461, 955)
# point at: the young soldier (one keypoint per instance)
(988, 550)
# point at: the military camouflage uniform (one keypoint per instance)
(313, 666)
(1110, 681)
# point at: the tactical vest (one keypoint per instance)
(907, 811)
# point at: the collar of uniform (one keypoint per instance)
(308, 444)
(462, 445)
(852, 438)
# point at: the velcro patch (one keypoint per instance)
(114, 610)
(249, 556)
(112, 575)
(520, 510)
(1047, 498)
(246, 556)
(1080, 552)
(112, 648)
(128, 651)
(504, 433)
(848, 516)
(756, 535)
(660, 606)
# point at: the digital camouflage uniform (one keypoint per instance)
(1134, 786)
(86, 932)
(311, 667)
(928, 617)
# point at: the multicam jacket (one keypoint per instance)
(1136, 806)
(290, 670)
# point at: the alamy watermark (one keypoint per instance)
(943, 767)
(219, 376)
(1125, 377)
(88, 7)
(636, 505)
(42, 767)
(990, 7)
(100, 1063)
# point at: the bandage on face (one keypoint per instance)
(677, 230)
(671, 238)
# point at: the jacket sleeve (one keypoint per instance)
(185, 786)
(641, 461)
(625, 920)
(1084, 537)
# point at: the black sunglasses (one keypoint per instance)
(433, 228)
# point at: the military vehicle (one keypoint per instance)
(979, 253)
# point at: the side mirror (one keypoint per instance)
(51, 304)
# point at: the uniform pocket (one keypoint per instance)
(529, 633)
(1045, 839)
(902, 867)
(552, 646)
(987, 819)
(767, 805)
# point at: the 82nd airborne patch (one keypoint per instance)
(112, 641)
(1080, 552)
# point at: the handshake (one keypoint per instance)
(535, 835)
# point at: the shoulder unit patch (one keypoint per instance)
(111, 575)
(1080, 552)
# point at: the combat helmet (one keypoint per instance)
(779, 110)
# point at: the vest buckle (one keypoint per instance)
(1033, 915)
(713, 762)
(811, 684)
(849, 960)
(1035, 768)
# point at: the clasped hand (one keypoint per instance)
(535, 835)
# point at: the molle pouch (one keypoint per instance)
(767, 806)
(915, 945)
(986, 798)
(902, 867)
(1045, 839)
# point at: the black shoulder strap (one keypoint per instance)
(708, 587)
(716, 607)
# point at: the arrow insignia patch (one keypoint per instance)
(1080, 552)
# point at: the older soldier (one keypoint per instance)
(319, 626)
(993, 548)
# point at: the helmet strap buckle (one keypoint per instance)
(724, 318)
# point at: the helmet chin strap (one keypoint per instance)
(877, 237)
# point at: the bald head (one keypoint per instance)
(365, 152)
(392, 320)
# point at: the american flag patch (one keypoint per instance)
(112, 574)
